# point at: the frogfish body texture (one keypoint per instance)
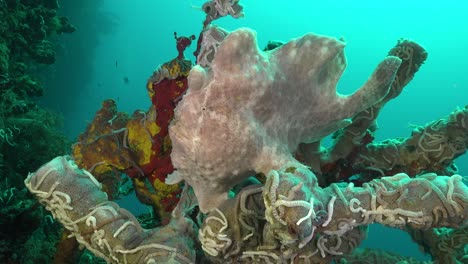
(250, 109)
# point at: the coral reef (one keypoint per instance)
(29, 134)
(242, 130)
(22, 225)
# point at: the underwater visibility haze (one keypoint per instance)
(232, 131)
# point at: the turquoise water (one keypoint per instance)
(139, 37)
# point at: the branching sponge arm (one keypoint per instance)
(293, 200)
(75, 199)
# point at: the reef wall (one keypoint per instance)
(29, 133)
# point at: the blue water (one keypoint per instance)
(141, 38)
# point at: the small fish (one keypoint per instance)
(116, 64)
(126, 80)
